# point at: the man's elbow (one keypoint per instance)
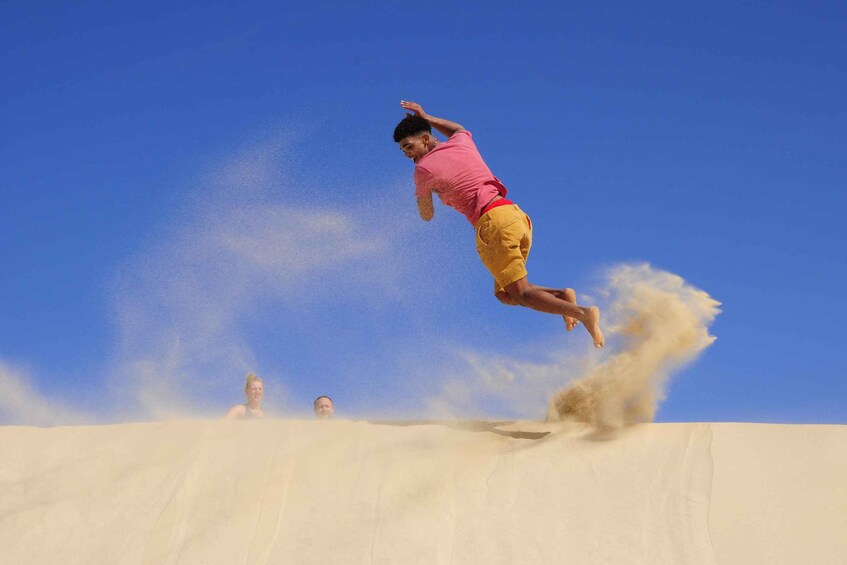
(426, 215)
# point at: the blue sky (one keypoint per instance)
(190, 192)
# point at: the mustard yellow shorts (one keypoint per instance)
(503, 240)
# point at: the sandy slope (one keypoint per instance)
(304, 492)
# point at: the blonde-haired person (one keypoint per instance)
(252, 409)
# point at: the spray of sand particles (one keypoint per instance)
(662, 324)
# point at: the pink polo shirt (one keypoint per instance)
(455, 171)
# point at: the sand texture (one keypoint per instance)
(302, 492)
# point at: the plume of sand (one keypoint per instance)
(655, 323)
(662, 324)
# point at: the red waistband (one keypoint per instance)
(492, 205)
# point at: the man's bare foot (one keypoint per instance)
(569, 295)
(592, 324)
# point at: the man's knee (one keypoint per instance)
(515, 293)
(505, 298)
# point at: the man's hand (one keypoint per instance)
(446, 127)
(415, 108)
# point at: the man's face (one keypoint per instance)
(255, 391)
(416, 146)
(323, 408)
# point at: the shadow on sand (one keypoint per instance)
(468, 426)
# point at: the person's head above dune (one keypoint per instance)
(254, 390)
(323, 407)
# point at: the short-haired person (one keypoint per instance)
(456, 172)
(323, 407)
(252, 409)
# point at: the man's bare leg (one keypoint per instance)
(569, 295)
(542, 299)
(566, 294)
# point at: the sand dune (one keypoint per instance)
(303, 492)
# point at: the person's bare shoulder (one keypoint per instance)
(237, 412)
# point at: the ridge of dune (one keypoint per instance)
(393, 492)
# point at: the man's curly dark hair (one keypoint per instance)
(411, 125)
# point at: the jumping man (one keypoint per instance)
(455, 171)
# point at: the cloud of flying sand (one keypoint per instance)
(662, 324)
(239, 249)
(21, 404)
(655, 323)
(245, 249)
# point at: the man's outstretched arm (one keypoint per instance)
(446, 127)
